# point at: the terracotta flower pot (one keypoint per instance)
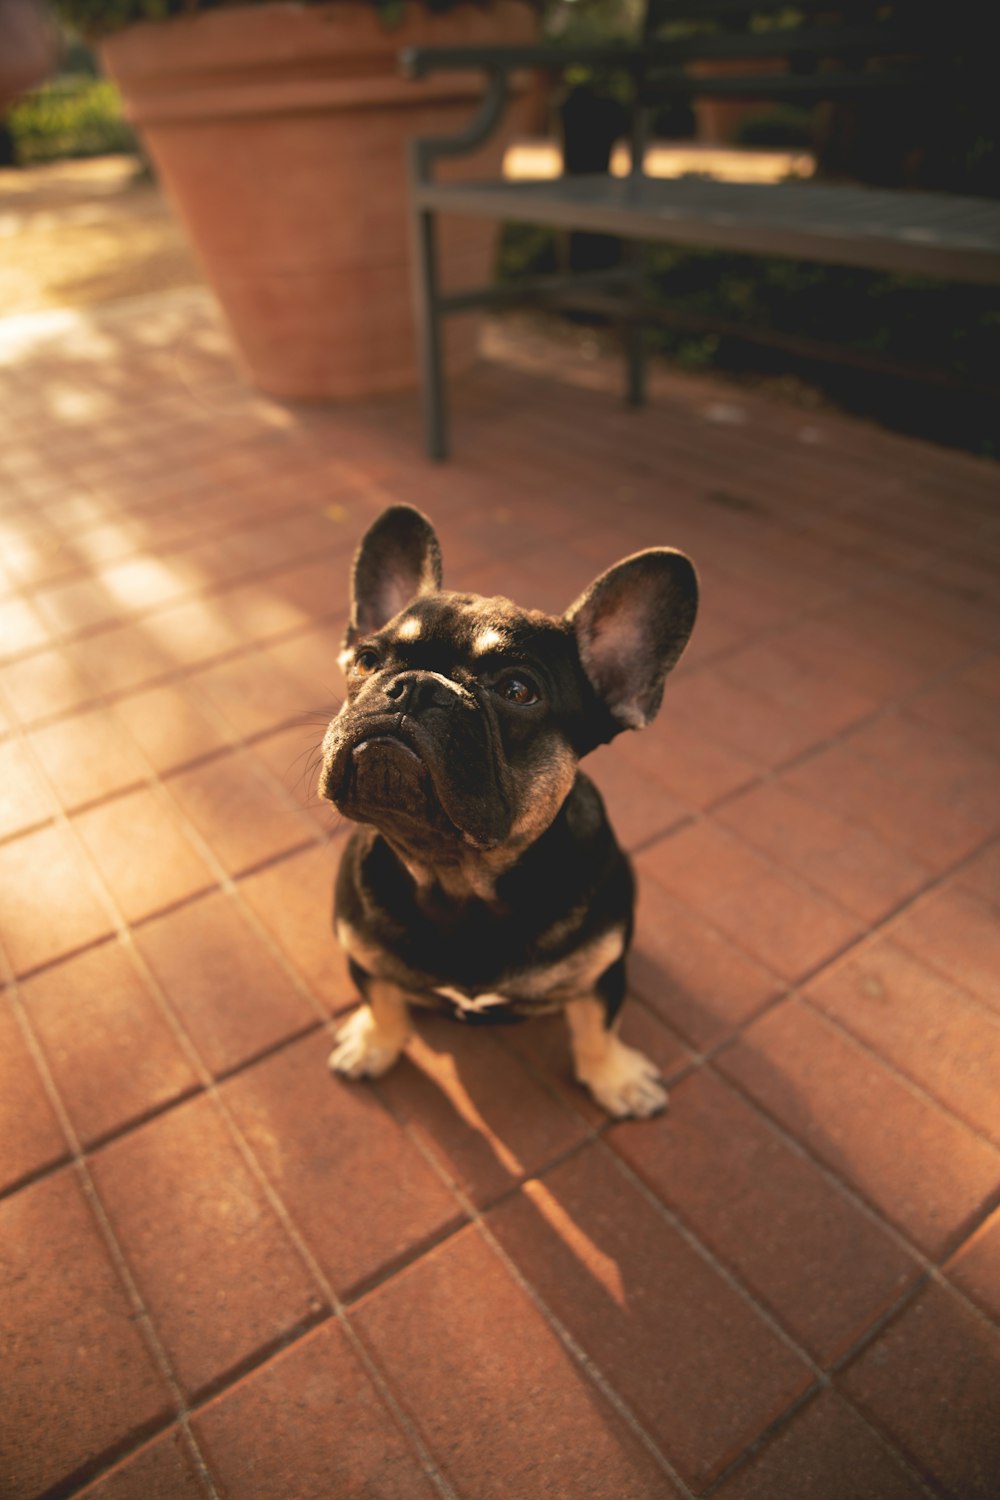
(717, 121)
(279, 133)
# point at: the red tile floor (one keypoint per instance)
(225, 1273)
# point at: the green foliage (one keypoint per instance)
(778, 127)
(77, 115)
(916, 321)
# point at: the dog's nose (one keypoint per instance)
(412, 692)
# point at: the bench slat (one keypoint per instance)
(922, 233)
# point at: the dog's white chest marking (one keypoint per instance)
(473, 1004)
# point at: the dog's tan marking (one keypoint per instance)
(488, 640)
(573, 975)
(622, 1080)
(409, 629)
(355, 947)
(371, 1039)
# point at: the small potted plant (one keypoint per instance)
(279, 132)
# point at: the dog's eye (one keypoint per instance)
(518, 690)
(366, 662)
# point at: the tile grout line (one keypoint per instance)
(929, 1266)
(476, 1219)
(823, 1379)
(792, 988)
(209, 1088)
(230, 886)
(116, 1255)
(335, 1303)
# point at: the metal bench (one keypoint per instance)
(871, 54)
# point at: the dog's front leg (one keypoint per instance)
(372, 1037)
(622, 1080)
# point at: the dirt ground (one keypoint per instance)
(79, 233)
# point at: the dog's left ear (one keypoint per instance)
(631, 626)
(399, 558)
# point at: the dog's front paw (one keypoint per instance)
(364, 1049)
(624, 1082)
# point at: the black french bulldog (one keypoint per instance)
(485, 879)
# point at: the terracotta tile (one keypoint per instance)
(251, 694)
(20, 629)
(169, 726)
(240, 810)
(825, 1453)
(976, 1267)
(142, 853)
(137, 584)
(779, 921)
(35, 555)
(78, 1379)
(338, 1160)
(920, 1167)
(293, 756)
(764, 707)
(926, 792)
(691, 767)
(640, 809)
(163, 1470)
(960, 709)
(321, 586)
(830, 645)
(108, 543)
(112, 1053)
(849, 863)
(32, 1138)
(222, 1281)
(981, 875)
(548, 1431)
(44, 685)
(257, 612)
(271, 1434)
(25, 797)
(924, 1026)
(689, 973)
(958, 935)
(310, 659)
(88, 756)
(192, 632)
(119, 659)
(50, 898)
(477, 1108)
(294, 901)
(67, 608)
(233, 998)
(770, 1214)
(603, 1259)
(930, 1382)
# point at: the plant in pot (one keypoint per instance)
(279, 132)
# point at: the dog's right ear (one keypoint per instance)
(398, 559)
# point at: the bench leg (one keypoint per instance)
(635, 361)
(430, 336)
(635, 342)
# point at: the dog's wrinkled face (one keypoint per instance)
(465, 717)
(457, 729)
